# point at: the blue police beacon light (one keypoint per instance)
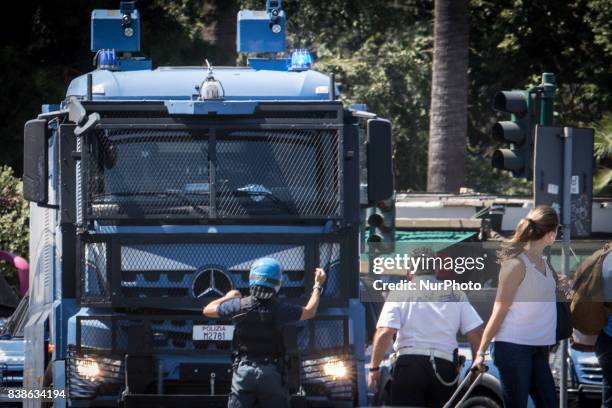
(107, 59)
(301, 60)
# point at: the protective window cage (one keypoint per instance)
(143, 172)
(186, 272)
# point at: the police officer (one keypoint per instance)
(425, 373)
(258, 339)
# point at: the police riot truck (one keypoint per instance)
(152, 192)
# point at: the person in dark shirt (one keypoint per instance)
(258, 339)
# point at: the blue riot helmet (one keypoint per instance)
(265, 277)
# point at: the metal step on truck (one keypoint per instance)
(152, 191)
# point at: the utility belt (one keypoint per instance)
(415, 351)
(454, 358)
(258, 359)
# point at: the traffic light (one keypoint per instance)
(381, 226)
(527, 108)
(518, 131)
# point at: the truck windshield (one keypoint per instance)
(240, 173)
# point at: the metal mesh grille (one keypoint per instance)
(120, 334)
(294, 170)
(136, 173)
(105, 334)
(145, 173)
(321, 334)
(79, 184)
(173, 270)
(95, 284)
(164, 275)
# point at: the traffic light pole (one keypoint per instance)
(547, 95)
(567, 228)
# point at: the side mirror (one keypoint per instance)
(35, 161)
(380, 160)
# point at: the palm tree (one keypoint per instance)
(448, 115)
(602, 182)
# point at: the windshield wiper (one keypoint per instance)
(183, 196)
(254, 190)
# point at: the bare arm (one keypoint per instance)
(211, 309)
(310, 310)
(511, 275)
(474, 337)
(382, 340)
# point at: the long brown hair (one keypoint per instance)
(538, 222)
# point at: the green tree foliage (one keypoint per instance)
(513, 41)
(380, 51)
(602, 182)
(46, 44)
(13, 218)
(393, 80)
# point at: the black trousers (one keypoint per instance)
(414, 383)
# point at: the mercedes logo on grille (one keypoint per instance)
(211, 281)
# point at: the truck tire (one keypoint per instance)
(480, 401)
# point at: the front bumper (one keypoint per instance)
(192, 385)
(585, 391)
(214, 401)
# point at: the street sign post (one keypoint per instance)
(563, 179)
(548, 186)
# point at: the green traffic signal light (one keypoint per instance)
(517, 132)
(381, 226)
(508, 159)
(527, 109)
(508, 131)
(514, 102)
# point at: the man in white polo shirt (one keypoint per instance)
(425, 373)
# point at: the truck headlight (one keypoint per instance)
(89, 375)
(87, 369)
(335, 369)
(333, 376)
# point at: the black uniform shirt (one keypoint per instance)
(283, 314)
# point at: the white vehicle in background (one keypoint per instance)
(12, 353)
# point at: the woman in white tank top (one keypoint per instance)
(523, 323)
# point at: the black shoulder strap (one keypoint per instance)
(247, 304)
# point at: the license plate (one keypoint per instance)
(212, 332)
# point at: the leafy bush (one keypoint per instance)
(13, 219)
(602, 183)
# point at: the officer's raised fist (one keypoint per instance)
(320, 276)
(233, 294)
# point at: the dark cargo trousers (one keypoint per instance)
(257, 385)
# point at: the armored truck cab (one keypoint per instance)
(154, 190)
